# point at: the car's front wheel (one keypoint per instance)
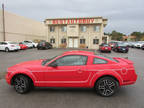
(22, 84)
(6, 49)
(106, 86)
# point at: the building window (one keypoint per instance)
(52, 40)
(82, 41)
(95, 41)
(64, 28)
(63, 41)
(83, 28)
(52, 28)
(96, 28)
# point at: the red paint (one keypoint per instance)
(74, 76)
(73, 21)
(22, 46)
(105, 48)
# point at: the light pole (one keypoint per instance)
(3, 15)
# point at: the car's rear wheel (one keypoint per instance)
(6, 49)
(22, 84)
(106, 86)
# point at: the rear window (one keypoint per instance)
(105, 45)
(110, 58)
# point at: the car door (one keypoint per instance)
(70, 70)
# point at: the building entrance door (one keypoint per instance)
(73, 42)
(70, 43)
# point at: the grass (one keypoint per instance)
(2, 75)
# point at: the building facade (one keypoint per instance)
(19, 28)
(76, 32)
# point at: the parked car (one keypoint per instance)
(126, 43)
(29, 45)
(112, 44)
(120, 47)
(142, 47)
(44, 45)
(104, 48)
(22, 46)
(139, 44)
(31, 42)
(9, 46)
(73, 69)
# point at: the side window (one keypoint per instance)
(71, 60)
(95, 41)
(99, 61)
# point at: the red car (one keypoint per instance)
(22, 46)
(105, 48)
(73, 69)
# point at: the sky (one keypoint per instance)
(124, 16)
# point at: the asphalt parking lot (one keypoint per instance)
(127, 97)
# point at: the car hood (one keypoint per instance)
(26, 65)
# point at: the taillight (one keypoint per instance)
(119, 47)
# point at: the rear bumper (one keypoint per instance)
(14, 48)
(131, 81)
(121, 50)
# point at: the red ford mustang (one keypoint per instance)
(73, 69)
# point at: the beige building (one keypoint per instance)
(76, 32)
(19, 28)
(61, 32)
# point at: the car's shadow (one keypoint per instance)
(124, 91)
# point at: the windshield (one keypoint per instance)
(121, 44)
(48, 60)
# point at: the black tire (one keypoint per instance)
(126, 51)
(106, 86)
(6, 49)
(109, 51)
(22, 84)
(116, 50)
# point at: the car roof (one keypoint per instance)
(78, 52)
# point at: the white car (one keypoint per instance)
(9, 46)
(139, 44)
(31, 42)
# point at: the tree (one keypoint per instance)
(117, 35)
(138, 35)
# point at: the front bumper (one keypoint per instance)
(8, 79)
